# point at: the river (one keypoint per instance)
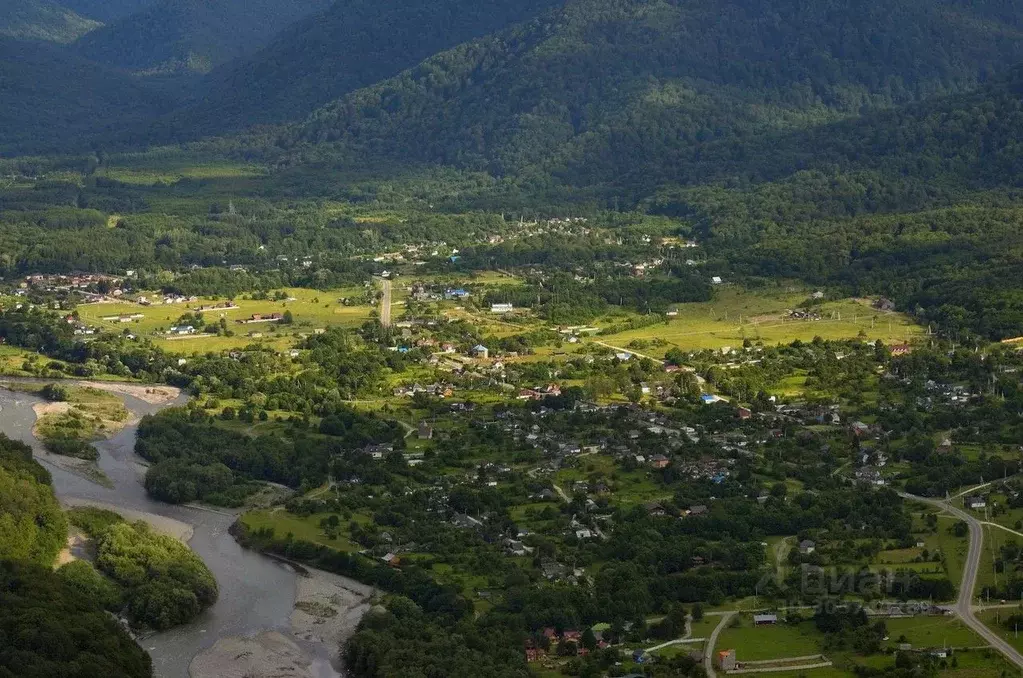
(256, 592)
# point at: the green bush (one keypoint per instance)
(72, 447)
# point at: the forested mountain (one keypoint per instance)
(192, 36)
(42, 20)
(633, 92)
(52, 101)
(354, 44)
(106, 10)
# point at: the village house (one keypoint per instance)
(260, 318)
(659, 461)
(425, 431)
(726, 660)
(806, 547)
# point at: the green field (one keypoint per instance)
(12, 360)
(735, 315)
(923, 632)
(775, 641)
(167, 171)
(704, 627)
(311, 309)
(992, 618)
(306, 529)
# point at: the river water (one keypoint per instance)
(256, 593)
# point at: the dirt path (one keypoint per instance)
(385, 303)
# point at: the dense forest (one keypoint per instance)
(32, 525)
(183, 37)
(55, 624)
(353, 44)
(60, 630)
(632, 93)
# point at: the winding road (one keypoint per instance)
(708, 653)
(964, 605)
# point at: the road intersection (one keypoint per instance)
(964, 605)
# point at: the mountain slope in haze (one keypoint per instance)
(42, 20)
(106, 11)
(632, 91)
(51, 101)
(354, 44)
(192, 36)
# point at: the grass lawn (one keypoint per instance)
(306, 529)
(12, 359)
(928, 631)
(954, 548)
(824, 672)
(311, 309)
(736, 314)
(994, 538)
(992, 619)
(774, 641)
(146, 174)
(704, 627)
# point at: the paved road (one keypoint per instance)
(385, 304)
(708, 653)
(964, 606)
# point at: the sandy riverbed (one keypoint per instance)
(160, 524)
(267, 655)
(328, 608)
(154, 395)
(43, 409)
(76, 541)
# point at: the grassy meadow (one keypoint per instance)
(735, 315)
(312, 309)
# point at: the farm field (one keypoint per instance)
(154, 169)
(773, 641)
(993, 617)
(311, 309)
(933, 631)
(303, 528)
(994, 538)
(735, 315)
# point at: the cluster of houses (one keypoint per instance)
(80, 328)
(437, 390)
(87, 284)
(553, 639)
(165, 300)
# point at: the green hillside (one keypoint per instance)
(192, 36)
(51, 101)
(106, 10)
(42, 20)
(353, 45)
(634, 93)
